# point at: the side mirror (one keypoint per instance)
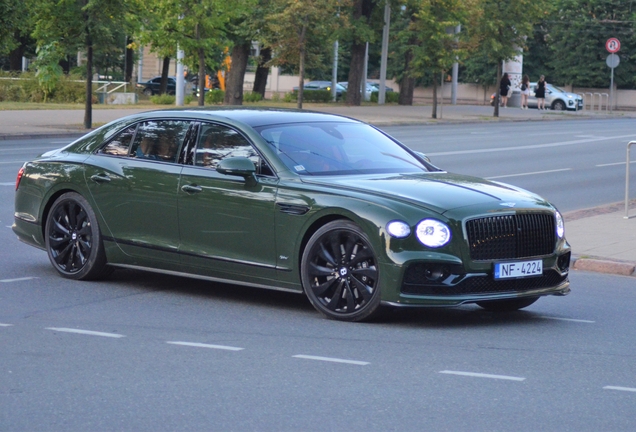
(240, 166)
(423, 156)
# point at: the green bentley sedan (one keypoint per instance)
(289, 200)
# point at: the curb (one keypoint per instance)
(604, 266)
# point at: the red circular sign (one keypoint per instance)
(613, 45)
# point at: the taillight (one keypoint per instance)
(17, 180)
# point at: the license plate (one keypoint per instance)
(518, 269)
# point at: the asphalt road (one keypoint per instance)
(574, 164)
(152, 352)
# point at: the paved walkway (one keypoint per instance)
(602, 239)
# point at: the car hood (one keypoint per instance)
(440, 192)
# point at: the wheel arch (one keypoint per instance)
(46, 209)
(315, 226)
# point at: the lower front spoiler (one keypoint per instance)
(407, 300)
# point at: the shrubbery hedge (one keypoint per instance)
(24, 88)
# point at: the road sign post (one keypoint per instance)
(612, 45)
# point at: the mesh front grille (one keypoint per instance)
(511, 236)
(486, 285)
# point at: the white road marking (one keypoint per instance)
(568, 319)
(330, 359)
(6, 325)
(614, 164)
(529, 173)
(629, 389)
(85, 332)
(7, 183)
(535, 146)
(18, 279)
(481, 375)
(201, 345)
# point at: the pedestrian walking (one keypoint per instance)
(505, 90)
(539, 92)
(525, 91)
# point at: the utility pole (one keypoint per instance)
(385, 52)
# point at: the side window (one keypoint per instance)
(159, 140)
(219, 142)
(119, 145)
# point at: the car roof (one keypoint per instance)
(260, 116)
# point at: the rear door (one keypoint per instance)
(133, 182)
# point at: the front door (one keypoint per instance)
(226, 223)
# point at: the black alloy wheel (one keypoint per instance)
(340, 272)
(73, 239)
(148, 91)
(507, 305)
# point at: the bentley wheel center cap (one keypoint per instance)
(343, 272)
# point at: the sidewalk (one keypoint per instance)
(602, 239)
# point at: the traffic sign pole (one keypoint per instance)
(612, 45)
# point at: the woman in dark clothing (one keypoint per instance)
(539, 92)
(504, 87)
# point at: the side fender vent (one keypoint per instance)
(292, 209)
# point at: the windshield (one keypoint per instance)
(339, 149)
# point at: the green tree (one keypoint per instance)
(437, 46)
(576, 35)
(295, 28)
(500, 28)
(77, 25)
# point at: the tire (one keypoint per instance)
(507, 305)
(73, 239)
(558, 105)
(340, 274)
(148, 92)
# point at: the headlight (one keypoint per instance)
(433, 233)
(560, 226)
(398, 229)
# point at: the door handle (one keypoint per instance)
(100, 178)
(191, 188)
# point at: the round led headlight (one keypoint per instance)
(560, 226)
(433, 233)
(398, 229)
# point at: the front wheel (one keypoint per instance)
(507, 305)
(558, 105)
(148, 92)
(73, 240)
(340, 274)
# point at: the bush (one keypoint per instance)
(252, 97)
(389, 97)
(27, 89)
(214, 97)
(163, 99)
(310, 96)
(187, 99)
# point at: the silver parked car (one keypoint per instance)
(556, 98)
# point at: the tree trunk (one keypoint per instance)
(434, 111)
(88, 106)
(201, 100)
(354, 94)
(165, 70)
(407, 84)
(236, 76)
(301, 78)
(362, 10)
(15, 56)
(129, 61)
(497, 95)
(262, 71)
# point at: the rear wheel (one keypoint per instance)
(507, 305)
(339, 271)
(73, 240)
(558, 105)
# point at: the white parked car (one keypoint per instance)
(556, 98)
